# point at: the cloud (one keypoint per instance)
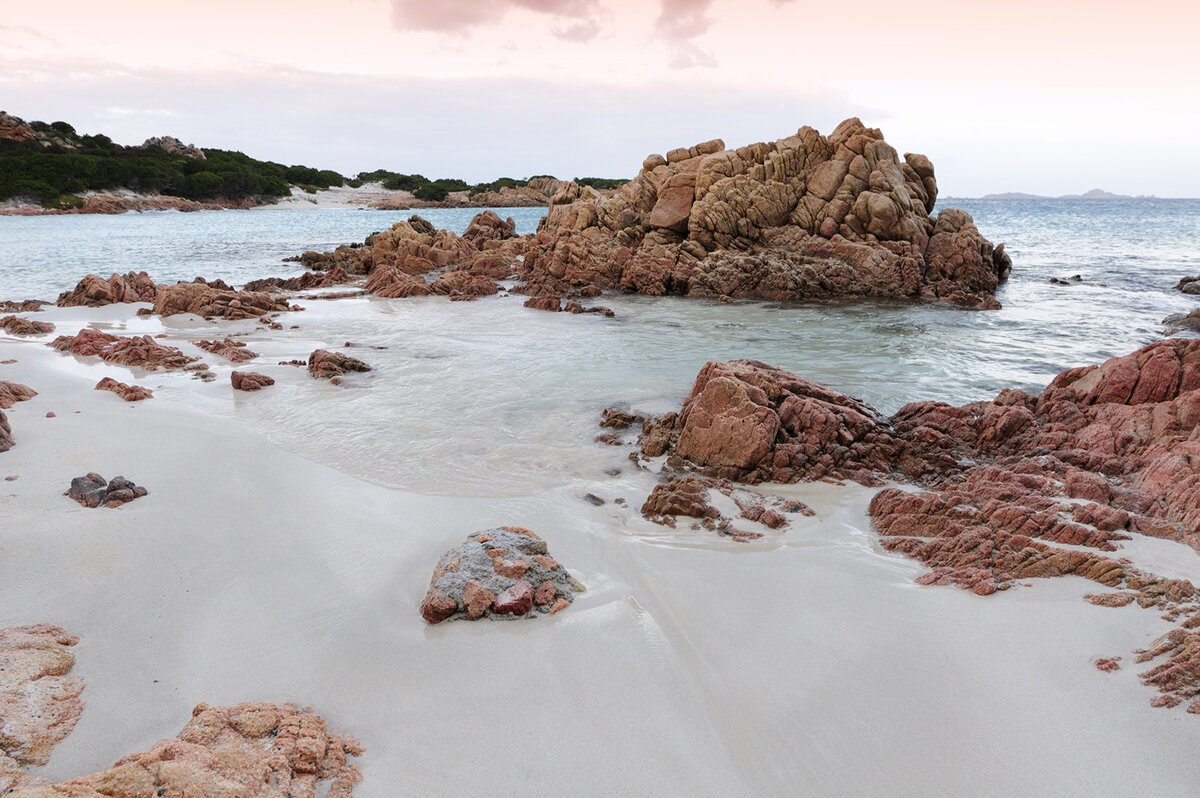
(584, 31)
(476, 128)
(679, 22)
(682, 20)
(460, 16)
(688, 55)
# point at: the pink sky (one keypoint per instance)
(1050, 97)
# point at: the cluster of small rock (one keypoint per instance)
(498, 572)
(92, 490)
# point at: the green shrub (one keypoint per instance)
(431, 192)
(69, 201)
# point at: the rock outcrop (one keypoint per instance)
(6, 438)
(39, 702)
(173, 146)
(1016, 488)
(13, 392)
(250, 380)
(21, 326)
(93, 291)
(251, 750)
(805, 217)
(130, 393)
(21, 305)
(215, 301)
(307, 281)
(323, 364)
(138, 350)
(91, 490)
(498, 572)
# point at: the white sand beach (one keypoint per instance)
(272, 561)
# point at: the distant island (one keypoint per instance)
(51, 168)
(1094, 194)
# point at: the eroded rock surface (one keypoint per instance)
(323, 364)
(22, 326)
(138, 350)
(506, 571)
(250, 380)
(250, 750)
(130, 393)
(6, 438)
(215, 300)
(1017, 488)
(13, 392)
(94, 290)
(39, 703)
(230, 349)
(804, 217)
(91, 490)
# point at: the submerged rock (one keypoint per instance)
(250, 380)
(323, 364)
(91, 490)
(230, 349)
(39, 703)
(505, 571)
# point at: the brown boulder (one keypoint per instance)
(323, 364)
(21, 326)
(93, 290)
(249, 380)
(230, 349)
(6, 438)
(130, 393)
(91, 490)
(13, 392)
(492, 574)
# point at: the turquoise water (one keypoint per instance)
(41, 256)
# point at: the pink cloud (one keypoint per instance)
(459, 16)
(681, 20)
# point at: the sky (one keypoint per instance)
(1042, 96)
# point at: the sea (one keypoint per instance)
(529, 385)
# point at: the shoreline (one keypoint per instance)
(370, 196)
(806, 661)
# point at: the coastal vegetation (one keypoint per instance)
(52, 164)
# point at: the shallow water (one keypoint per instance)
(490, 398)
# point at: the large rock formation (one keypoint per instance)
(212, 299)
(1016, 488)
(251, 750)
(173, 146)
(506, 571)
(39, 703)
(803, 217)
